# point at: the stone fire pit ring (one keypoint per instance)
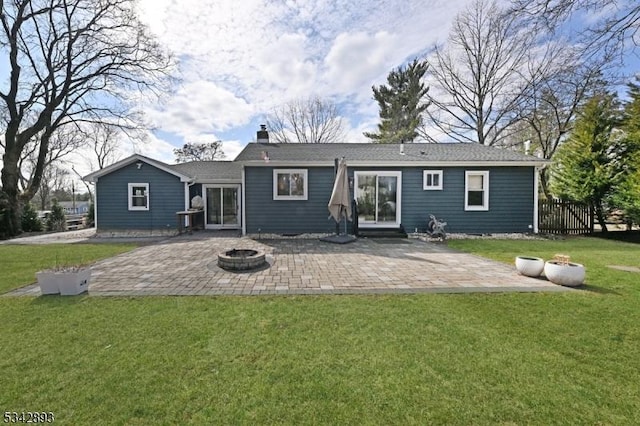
(241, 260)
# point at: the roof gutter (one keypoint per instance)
(356, 163)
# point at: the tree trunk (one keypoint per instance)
(10, 214)
(10, 221)
(601, 218)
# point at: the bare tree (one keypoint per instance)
(70, 61)
(616, 29)
(476, 83)
(53, 179)
(311, 120)
(62, 142)
(199, 152)
(552, 100)
(103, 140)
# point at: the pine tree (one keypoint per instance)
(627, 193)
(91, 215)
(56, 221)
(593, 161)
(30, 220)
(401, 104)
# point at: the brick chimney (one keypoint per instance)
(262, 134)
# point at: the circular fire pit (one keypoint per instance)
(241, 259)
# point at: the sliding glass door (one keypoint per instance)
(378, 198)
(222, 206)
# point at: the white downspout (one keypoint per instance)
(244, 199)
(186, 196)
(95, 206)
(187, 200)
(536, 192)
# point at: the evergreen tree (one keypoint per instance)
(91, 215)
(401, 104)
(627, 193)
(627, 197)
(56, 221)
(594, 160)
(30, 220)
(4, 216)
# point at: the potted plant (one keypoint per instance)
(529, 266)
(67, 281)
(561, 271)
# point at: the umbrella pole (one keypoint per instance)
(336, 162)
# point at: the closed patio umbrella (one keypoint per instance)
(340, 203)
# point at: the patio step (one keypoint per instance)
(382, 233)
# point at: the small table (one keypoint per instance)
(190, 215)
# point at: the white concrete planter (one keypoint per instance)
(66, 282)
(529, 266)
(567, 274)
(48, 282)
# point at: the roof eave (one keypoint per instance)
(208, 181)
(423, 163)
(93, 177)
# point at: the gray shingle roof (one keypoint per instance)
(373, 153)
(210, 170)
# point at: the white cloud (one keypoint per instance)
(356, 134)
(357, 59)
(287, 66)
(232, 149)
(155, 148)
(200, 106)
(239, 59)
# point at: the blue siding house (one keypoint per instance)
(285, 189)
(142, 196)
(474, 188)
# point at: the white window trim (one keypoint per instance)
(130, 197)
(303, 172)
(426, 187)
(485, 188)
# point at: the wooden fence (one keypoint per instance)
(75, 221)
(565, 217)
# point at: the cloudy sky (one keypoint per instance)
(238, 59)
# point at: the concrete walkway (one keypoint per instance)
(68, 237)
(187, 265)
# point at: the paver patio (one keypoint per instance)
(187, 265)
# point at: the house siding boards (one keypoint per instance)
(266, 215)
(166, 197)
(510, 201)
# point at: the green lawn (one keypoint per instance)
(557, 358)
(19, 263)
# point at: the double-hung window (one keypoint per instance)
(476, 190)
(138, 196)
(432, 180)
(290, 184)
